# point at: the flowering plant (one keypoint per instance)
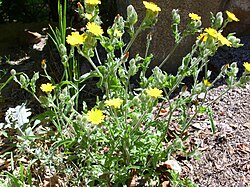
(125, 137)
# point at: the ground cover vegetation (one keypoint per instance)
(123, 140)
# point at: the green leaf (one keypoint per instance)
(210, 115)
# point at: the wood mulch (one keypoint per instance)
(225, 156)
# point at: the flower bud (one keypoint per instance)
(13, 72)
(218, 20)
(197, 24)
(79, 5)
(119, 20)
(23, 80)
(35, 76)
(132, 16)
(43, 64)
(176, 16)
(122, 73)
(62, 49)
(79, 118)
(124, 57)
(132, 67)
(80, 8)
(235, 41)
(149, 37)
(136, 100)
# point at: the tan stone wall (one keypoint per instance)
(241, 8)
(163, 40)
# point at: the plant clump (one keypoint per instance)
(124, 140)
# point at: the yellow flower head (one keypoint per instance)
(223, 40)
(207, 83)
(212, 32)
(203, 37)
(93, 2)
(88, 16)
(231, 16)
(47, 87)
(118, 33)
(151, 6)
(116, 103)
(194, 16)
(247, 66)
(75, 38)
(154, 92)
(94, 28)
(95, 116)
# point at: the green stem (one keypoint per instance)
(180, 79)
(170, 53)
(66, 72)
(91, 62)
(2, 85)
(219, 96)
(164, 134)
(195, 114)
(76, 78)
(147, 45)
(132, 39)
(97, 56)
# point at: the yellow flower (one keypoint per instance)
(95, 116)
(203, 37)
(247, 66)
(47, 87)
(194, 16)
(207, 83)
(154, 92)
(75, 38)
(88, 16)
(94, 28)
(223, 40)
(118, 33)
(93, 2)
(231, 16)
(116, 103)
(212, 32)
(151, 6)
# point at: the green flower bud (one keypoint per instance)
(176, 16)
(119, 22)
(218, 20)
(13, 72)
(80, 8)
(132, 67)
(132, 16)
(79, 118)
(197, 24)
(23, 81)
(124, 57)
(69, 106)
(235, 41)
(149, 37)
(35, 76)
(136, 100)
(122, 74)
(62, 50)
